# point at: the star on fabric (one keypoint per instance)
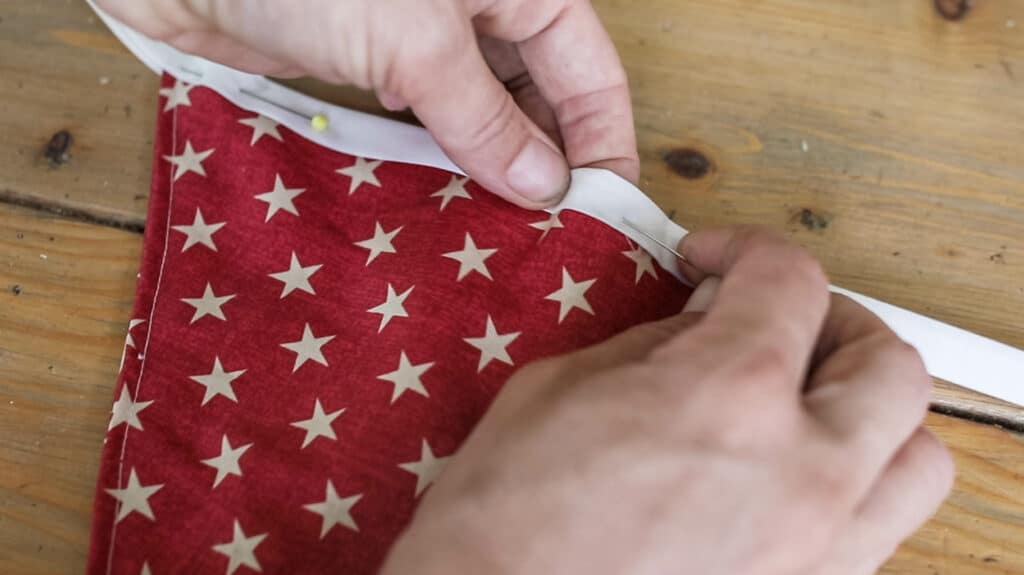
(380, 243)
(393, 306)
(471, 259)
(199, 232)
(456, 188)
(361, 173)
(145, 569)
(129, 341)
(280, 198)
(261, 126)
(545, 226)
(218, 382)
(177, 95)
(208, 304)
(426, 469)
(126, 410)
(571, 295)
(241, 550)
(644, 263)
(492, 345)
(308, 348)
(189, 161)
(334, 510)
(132, 324)
(296, 277)
(227, 462)
(407, 377)
(134, 497)
(319, 425)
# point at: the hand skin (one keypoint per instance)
(543, 78)
(770, 429)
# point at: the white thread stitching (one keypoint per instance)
(149, 332)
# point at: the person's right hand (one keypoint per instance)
(779, 433)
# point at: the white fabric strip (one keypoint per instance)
(950, 353)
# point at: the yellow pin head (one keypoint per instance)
(319, 122)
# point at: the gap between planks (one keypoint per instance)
(948, 399)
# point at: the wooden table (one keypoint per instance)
(883, 135)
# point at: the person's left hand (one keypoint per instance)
(540, 92)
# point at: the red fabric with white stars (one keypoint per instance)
(214, 477)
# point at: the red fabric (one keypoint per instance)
(374, 435)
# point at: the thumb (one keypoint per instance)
(478, 124)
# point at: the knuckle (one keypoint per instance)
(828, 486)
(764, 363)
(435, 46)
(906, 362)
(938, 470)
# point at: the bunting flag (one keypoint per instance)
(315, 334)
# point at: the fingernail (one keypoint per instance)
(392, 102)
(701, 298)
(538, 173)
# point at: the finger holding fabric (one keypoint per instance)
(424, 54)
(649, 451)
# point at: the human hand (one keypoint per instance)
(779, 433)
(559, 81)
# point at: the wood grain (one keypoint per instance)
(66, 291)
(910, 190)
(880, 134)
(61, 332)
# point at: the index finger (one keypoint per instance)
(575, 66)
(773, 296)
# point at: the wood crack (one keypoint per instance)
(10, 197)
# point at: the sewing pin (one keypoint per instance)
(654, 239)
(318, 122)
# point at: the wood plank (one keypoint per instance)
(66, 291)
(910, 190)
(60, 340)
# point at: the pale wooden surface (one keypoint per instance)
(60, 344)
(913, 127)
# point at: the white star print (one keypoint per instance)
(227, 462)
(176, 95)
(334, 510)
(208, 304)
(406, 377)
(241, 550)
(189, 161)
(393, 306)
(296, 277)
(308, 348)
(456, 188)
(380, 243)
(361, 172)
(218, 382)
(145, 569)
(132, 324)
(571, 295)
(644, 263)
(126, 410)
(547, 225)
(129, 341)
(261, 126)
(134, 497)
(280, 198)
(319, 425)
(471, 259)
(492, 345)
(199, 232)
(426, 469)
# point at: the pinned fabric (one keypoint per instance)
(314, 336)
